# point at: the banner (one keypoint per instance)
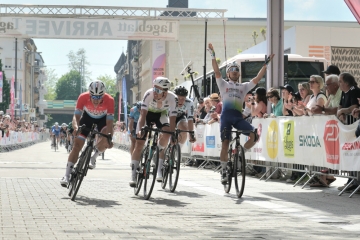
(1, 86)
(198, 148)
(158, 59)
(12, 98)
(71, 28)
(124, 97)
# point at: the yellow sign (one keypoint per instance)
(272, 141)
(288, 140)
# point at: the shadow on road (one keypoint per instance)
(187, 194)
(101, 203)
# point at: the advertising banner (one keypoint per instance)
(1, 86)
(75, 28)
(158, 59)
(198, 148)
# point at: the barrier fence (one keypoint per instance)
(307, 144)
(15, 140)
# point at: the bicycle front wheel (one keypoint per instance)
(166, 167)
(174, 167)
(239, 171)
(80, 175)
(140, 172)
(151, 166)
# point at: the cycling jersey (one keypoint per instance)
(104, 108)
(167, 106)
(134, 114)
(70, 126)
(233, 94)
(55, 130)
(63, 131)
(186, 109)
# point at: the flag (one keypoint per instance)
(354, 6)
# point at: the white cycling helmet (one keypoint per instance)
(64, 125)
(56, 124)
(97, 88)
(162, 82)
(233, 64)
(1, 112)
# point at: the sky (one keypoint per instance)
(103, 54)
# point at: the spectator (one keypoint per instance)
(349, 95)
(355, 113)
(200, 113)
(287, 99)
(305, 93)
(318, 98)
(334, 96)
(332, 69)
(208, 117)
(215, 101)
(259, 102)
(247, 107)
(276, 105)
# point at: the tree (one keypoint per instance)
(263, 32)
(110, 84)
(68, 86)
(78, 62)
(50, 84)
(6, 92)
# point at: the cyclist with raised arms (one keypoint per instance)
(55, 130)
(232, 94)
(185, 115)
(156, 105)
(94, 106)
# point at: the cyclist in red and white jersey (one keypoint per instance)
(94, 106)
(158, 103)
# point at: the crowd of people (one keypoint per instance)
(8, 124)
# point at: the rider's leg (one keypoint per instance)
(72, 159)
(251, 142)
(183, 125)
(135, 160)
(101, 145)
(163, 141)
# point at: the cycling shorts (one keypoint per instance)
(133, 131)
(233, 118)
(88, 121)
(159, 119)
(182, 118)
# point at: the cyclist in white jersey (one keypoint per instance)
(156, 105)
(232, 95)
(185, 115)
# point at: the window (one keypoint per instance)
(8, 62)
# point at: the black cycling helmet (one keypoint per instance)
(181, 91)
(138, 105)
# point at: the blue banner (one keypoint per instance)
(124, 99)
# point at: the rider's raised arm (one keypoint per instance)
(213, 61)
(262, 71)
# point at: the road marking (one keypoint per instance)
(330, 220)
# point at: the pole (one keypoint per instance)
(16, 67)
(204, 81)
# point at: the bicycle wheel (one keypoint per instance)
(73, 176)
(151, 166)
(174, 167)
(80, 175)
(166, 167)
(141, 170)
(229, 172)
(240, 172)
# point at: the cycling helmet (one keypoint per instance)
(233, 64)
(181, 91)
(162, 82)
(97, 88)
(138, 105)
(1, 112)
(64, 125)
(56, 124)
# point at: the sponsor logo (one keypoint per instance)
(232, 90)
(309, 141)
(288, 140)
(210, 141)
(272, 139)
(331, 141)
(351, 146)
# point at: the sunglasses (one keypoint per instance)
(270, 96)
(311, 82)
(96, 97)
(157, 90)
(234, 69)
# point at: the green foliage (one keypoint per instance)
(110, 83)
(254, 36)
(78, 62)
(68, 86)
(218, 60)
(239, 50)
(50, 84)
(6, 92)
(263, 32)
